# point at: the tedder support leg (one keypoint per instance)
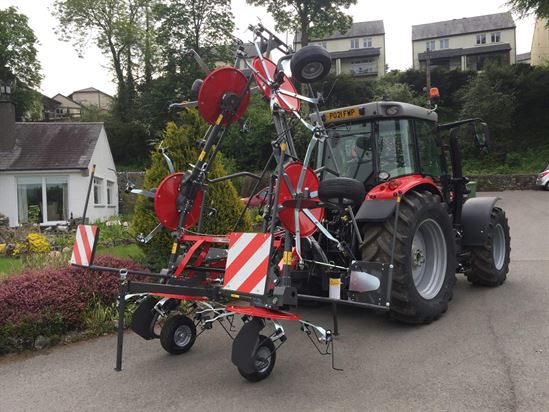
(334, 314)
(121, 310)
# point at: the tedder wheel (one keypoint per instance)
(178, 334)
(490, 262)
(425, 257)
(310, 64)
(264, 360)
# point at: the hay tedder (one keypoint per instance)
(370, 217)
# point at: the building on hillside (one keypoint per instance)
(92, 97)
(68, 108)
(45, 169)
(359, 52)
(466, 44)
(524, 58)
(540, 43)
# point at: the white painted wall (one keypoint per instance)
(78, 182)
(466, 41)
(540, 43)
(99, 99)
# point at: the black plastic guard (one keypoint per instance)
(475, 220)
(380, 271)
(375, 210)
(143, 317)
(245, 343)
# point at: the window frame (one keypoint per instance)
(444, 44)
(19, 180)
(355, 44)
(481, 39)
(110, 193)
(367, 42)
(497, 35)
(430, 43)
(98, 202)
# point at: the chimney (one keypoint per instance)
(7, 118)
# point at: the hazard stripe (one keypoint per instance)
(255, 278)
(85, 242)
(81, 249)
(237, 241)
(246, 248)
(76, 255)
(249, 263)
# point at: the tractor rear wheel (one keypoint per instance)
(425, 257)
(490, 262)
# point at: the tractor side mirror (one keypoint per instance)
(482, 136)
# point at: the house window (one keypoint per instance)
(354, 44)
(367, 42)
(430, 45)
(495, 37)
(481, 38)
(35, 192)
(110, 193)
(97, 191)
(363, 66)
(444, 43)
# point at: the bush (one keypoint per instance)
(50, 302)
(181, 142)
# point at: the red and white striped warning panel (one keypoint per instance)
(84, 245)
(247, 262)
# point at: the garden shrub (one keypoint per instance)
(181, 142)
(50, 302)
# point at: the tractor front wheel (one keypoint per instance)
(490, 262)
(425, 257)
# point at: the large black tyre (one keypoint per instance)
(351, 191)
(490, 262)
(264, 359)
(310, 64)
(424, 272)
(178, 334)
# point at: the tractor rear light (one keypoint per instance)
(393, 184)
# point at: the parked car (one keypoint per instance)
(258, 200)
(543, 179)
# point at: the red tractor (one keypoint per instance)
(370, 217)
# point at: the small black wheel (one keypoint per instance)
(310, 64)
(264, 360)
(178, 334)
(490, 262)
(342, 189)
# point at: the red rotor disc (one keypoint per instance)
(215, 85)
(289, 103)
(287, 215)
(165, 199)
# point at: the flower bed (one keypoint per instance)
(53, 301)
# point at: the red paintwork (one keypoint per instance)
(262, 312)
(216, 84)
(287, 215)
(164, 203)
(289, 103)
(383, 192)
(188, 257)
(182, 297)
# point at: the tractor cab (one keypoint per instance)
(379, 141)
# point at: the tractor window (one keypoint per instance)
(429, 150)
(395, 148)
(351, 145)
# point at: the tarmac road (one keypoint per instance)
(489, 352)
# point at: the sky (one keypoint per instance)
(64, 72)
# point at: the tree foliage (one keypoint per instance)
(312, 18)
(524, 7)
(18, 54)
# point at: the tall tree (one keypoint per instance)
(312, 18)
(116, 26)
(539, 7)
(18, 54)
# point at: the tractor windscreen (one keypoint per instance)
(354, 145)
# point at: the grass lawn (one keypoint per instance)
(125, 251)
(9, 265)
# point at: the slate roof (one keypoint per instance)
(455, 27)
(524, 56)
(51, 146)
(89, 90)
(446, 53)
(359, 29)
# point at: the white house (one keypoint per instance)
(48, 166)
(466, 43)
(360, 51)
(92, 97)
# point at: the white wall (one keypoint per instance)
(540, 43)
(466, 41)
(8, 198)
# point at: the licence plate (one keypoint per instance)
(342, 114)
